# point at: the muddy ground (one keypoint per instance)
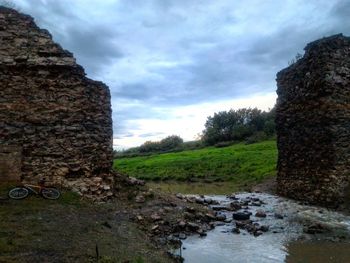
(133, 227)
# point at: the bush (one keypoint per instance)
(170, 143)
(257, 137)
(223, 144)
(149, 146)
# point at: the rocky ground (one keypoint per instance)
(138, 225)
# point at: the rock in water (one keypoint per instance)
(241, 216)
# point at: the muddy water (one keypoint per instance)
(318, 251)
(286, 240)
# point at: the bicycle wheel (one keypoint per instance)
(18, 193)
(50, 193)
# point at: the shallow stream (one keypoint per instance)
(287, 239)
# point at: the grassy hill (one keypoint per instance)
(240, 163)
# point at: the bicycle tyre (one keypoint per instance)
(18, 193)
(50, 193)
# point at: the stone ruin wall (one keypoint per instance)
(51, 115)
(313, 123)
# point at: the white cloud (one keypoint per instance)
(188, 121)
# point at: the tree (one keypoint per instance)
(237, 125)
(149, 146)
(170, 142)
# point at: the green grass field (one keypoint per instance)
(239, 163)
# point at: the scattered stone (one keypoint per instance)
(228, 220)
(232, 197)
(240, 216)
(235, 206)
(208, 201)
(135, 181)
(193, 226)
(156, 217)
(315, 229)
(236, 230)
(190, 209)
(264, 228)
(199, 201)
(182, 224)
(107, 225)
(210, 216)
(213, 224)
(154, 228)
(182, 236)
(260, 213)
(190, 199)
(257, 233)
(189, 216)
(279, 216)
(140, 199)
(180, 196)
(219, 208)
(243, 223)
(202, 234)
(220, 217)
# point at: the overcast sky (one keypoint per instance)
(171, 63)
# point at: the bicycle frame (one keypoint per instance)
(32, 188)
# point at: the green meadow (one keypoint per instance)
(239, 163)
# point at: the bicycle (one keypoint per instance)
(21, 192)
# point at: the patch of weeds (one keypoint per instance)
(139, 259)
(6, 244)
(130, 195)
(105, 259)
(70, 198)
(5, 188)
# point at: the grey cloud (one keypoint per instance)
(341, 9)
(92, 42)
(137, 112)
(137, 91)
(94, 46)
(150, 134)
(126, 135)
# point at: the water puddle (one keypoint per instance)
(296, 233)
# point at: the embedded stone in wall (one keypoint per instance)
(10, 163)
(48, 107)
(313, 123)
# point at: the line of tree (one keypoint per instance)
(166, 144)
(169, 144)
(239, 125)
(222, 129)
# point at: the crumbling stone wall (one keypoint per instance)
(60, 119)
(313, 123)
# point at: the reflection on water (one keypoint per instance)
(280, 243)
(318, 252)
